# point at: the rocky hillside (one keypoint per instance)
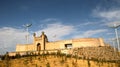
(53, 61)
(106, 53)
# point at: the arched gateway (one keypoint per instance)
(38, 47)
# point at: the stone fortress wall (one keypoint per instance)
(85, 48)
(57, 44)
(82, 42)
(42, 43)
(21, 47)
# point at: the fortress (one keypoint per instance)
(41, 43)
(87, 48)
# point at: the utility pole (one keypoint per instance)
(113, 43)
(27, 29)
(116, 32)
(27, 36)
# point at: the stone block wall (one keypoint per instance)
(87, 42)
(57, 44)
(20, 47)
(25, 47)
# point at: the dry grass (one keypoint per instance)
(53, 61)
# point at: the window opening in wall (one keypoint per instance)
(67, 46)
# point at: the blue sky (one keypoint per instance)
(60, 19)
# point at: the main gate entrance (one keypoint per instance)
(38, 47)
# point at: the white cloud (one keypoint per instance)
(93, 32)
(90, 33)
(112, 24)
(86, 23)
(9, 37)
(108, 15)
(56, 31)
(49, 19)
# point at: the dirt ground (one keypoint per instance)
(53, 61)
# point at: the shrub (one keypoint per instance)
(68, 55)
(48, 64)
(62, 61)
(17, 55)
(47, 53)
(3, 57)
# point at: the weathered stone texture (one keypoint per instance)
(42, 43)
